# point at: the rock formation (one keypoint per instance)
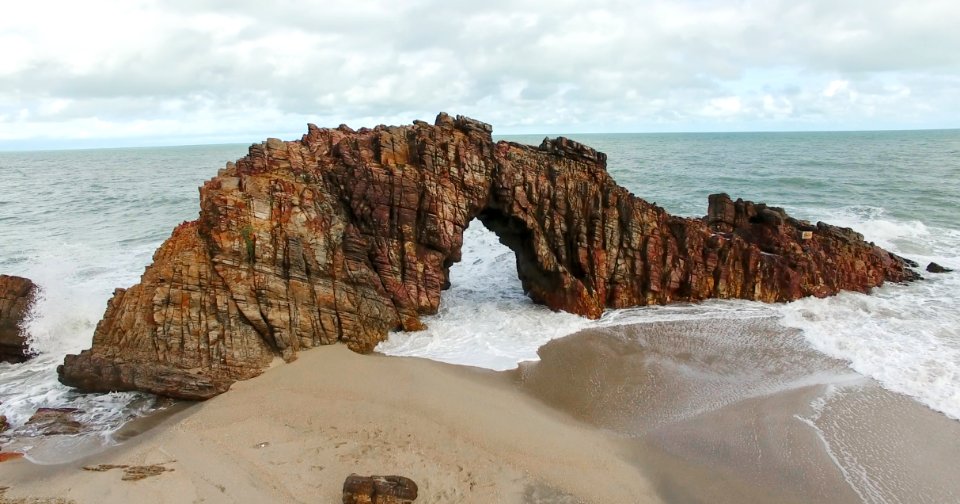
(16, 296)
(379, 490)
(54, 421)
(346, 235)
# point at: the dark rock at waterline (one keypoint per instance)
(378, 490)
(908, 262)
(346, 235)
(54, 421)
(936, 268)
(17, 295)
(4, 425)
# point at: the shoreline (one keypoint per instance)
(744, 412)
(716, 411)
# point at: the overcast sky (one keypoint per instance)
(131, 72)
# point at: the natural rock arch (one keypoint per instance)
(345, 235)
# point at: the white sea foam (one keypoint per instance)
(907, 337)
(861, 428)
(75, 281)
(860, 479)
(485, 319)
(102, 215)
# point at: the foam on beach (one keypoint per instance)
(907, 337)
(904, 336)
(687, 378)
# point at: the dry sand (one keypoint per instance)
(295, 433)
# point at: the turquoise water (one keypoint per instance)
(81, 223)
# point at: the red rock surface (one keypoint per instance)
(17, 295)
(345, 235)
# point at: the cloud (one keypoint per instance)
(153, 71)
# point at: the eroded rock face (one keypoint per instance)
(17, 295)
(345, 235)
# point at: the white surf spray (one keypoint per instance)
(485, 319)
(75, 281)
(907, 337)
(80, 224)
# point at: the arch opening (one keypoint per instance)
(485, 318)
(516, 236)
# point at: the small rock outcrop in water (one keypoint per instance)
(346, 235)
(379, 490)
(17, 294)
(54, 421)
(936, 268)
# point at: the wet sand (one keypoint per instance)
(702, 411)
(742, 412)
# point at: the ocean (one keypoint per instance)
(901, 189)
(82, 223)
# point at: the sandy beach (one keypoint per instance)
(295, 433)
(704, 411)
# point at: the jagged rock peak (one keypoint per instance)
(563, 146)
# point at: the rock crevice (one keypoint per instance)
(346, 235)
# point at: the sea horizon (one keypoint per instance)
(6, 147)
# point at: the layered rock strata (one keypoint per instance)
(17, 295)
(346, 235)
